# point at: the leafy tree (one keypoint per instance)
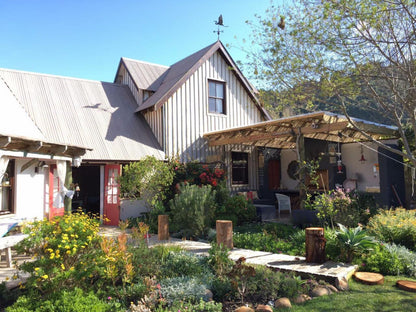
(352, 51)
(147, 179)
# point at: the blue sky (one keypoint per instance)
(86, 39)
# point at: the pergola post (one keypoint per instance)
(300, 146)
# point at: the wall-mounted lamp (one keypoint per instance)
(41, 166)
(76, 161)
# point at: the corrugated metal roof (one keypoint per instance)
(20, 125)
(166, 84)
(147, 76)
(88, 113)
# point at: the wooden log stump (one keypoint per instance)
(225, 233)
(163, 227)
(369, 278)
(315, 245)
(406, 285)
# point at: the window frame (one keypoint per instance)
(216, 98)
(243, 178)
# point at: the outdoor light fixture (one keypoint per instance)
(362, 159)
(76, 161)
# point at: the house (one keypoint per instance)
(200, 108)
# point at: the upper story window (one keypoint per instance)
(216, 98)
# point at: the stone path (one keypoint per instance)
(328, 271)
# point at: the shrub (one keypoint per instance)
(201, 306)
(185, 288)
(66, 250)
(148, 179)
(381, 260)
(64, 301)
(183, 264)
(218, 260)
(193, 209)
(264, 285)
(395, 226)
(353, 242)
(238, 208)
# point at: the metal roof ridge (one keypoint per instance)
(144, 62)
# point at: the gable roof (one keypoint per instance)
(146, 76)
(88, 113)
(171, 80)
(18, 132)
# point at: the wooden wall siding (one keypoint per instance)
(184, 118)
(126, 80)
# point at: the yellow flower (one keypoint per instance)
(63, 266)
(45, 276)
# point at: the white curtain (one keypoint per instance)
(61, 169)
(4, 161)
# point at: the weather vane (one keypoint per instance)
(219, 23)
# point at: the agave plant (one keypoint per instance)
(353, 241)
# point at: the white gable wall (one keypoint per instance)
(29, 192)
(184, 118)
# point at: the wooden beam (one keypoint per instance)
(322, 128)
(35, 146)
(4, 141)
(29, 163)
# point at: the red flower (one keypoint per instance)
(214, 182)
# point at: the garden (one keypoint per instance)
(76, 269)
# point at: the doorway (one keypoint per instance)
(88, 196)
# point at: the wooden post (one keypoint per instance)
(163, 227)
(300, 145)
(315, 245)
(225, 233)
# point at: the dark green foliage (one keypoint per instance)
(193, 209)
(188, 306)
(183, 264)
(65, 301)
(237, 209)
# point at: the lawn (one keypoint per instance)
(360, 297)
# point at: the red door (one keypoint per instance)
(56, 200)
(273, 171)
(111, 195)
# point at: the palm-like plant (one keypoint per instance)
(353, 241)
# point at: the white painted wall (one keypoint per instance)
(29, 192)
(362, 172)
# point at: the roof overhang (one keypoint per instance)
(27, 145)
(283, 133)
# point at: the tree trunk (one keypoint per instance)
(315, 245)
(225, 233)
(163, 227)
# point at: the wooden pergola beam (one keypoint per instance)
(4, 141)
(288, 132)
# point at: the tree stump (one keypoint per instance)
(163, 227)
(406, 285)
(225, 233)
(369, 278)
(315, 245)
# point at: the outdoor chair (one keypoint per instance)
(283, 202)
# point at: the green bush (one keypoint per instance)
(193, 209)
(381, 260)
(183, 264)
(64, 301)
(395, 226)
(66, 250)
(264, 285)
(148, 179)
(237, 209)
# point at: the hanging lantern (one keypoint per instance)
(339, 161)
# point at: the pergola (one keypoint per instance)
(289, 132)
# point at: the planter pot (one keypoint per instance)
(304, 218)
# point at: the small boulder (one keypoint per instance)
(244, 309)
(208, 295)
(332, 288)
(342, 284)
(264, 308)
(320, 291)
(282, 303)
(301, 299)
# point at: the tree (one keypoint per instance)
(349, 50)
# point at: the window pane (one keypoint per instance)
(239, 168)
(219, 108)
(220, 90)
(211, 87)
(212, 105)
